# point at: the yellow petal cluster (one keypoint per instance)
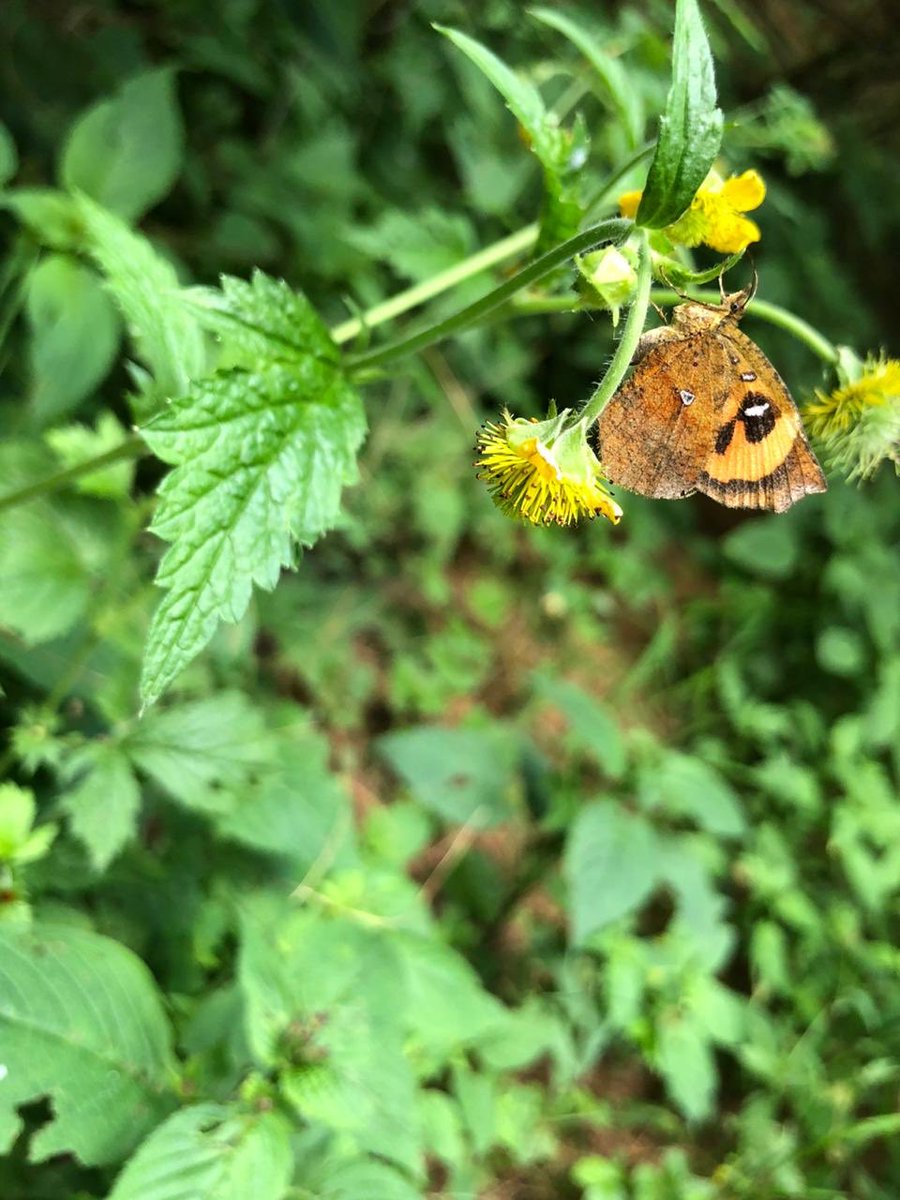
(541, 472)
(716, 215)
(859, 423)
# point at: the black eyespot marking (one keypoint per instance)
(734, 359)
(724, 436)
(748, 376)
(686, 396)
(758, 416)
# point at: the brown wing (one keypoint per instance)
(759, 456)
(655, 434)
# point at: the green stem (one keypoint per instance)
(634, 327)
(132, 447)
(774, 314)
(607, 231)
(510, 246)
(601, 196)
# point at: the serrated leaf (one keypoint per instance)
(262, 319)
(211, 1152)
(17, 813)
(81, 1021)
(261, 458)
(74, 335)
(103, 806)
(690, 131)
(612, 865)
(145, 287)
(126, 152)
(199, 750)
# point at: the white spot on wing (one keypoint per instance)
(756, 410)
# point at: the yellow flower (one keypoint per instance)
(543, 471)
(716, 215)
(859, 422)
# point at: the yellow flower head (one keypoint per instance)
(542, 471)
(716, 215)
(859, 423)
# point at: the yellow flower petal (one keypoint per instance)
(744, 192)
(628, 203)
(729, 232)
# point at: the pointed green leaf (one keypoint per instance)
(81, 1021)
(690, 131)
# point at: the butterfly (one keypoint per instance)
(705, 411)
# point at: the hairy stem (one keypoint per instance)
(634, 327)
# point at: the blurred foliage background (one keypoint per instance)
(594, 833)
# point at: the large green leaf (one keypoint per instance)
(211, 1152)
(126, 152)
(81, 1022)
(612, 865)
(261, 455)
(690, 131)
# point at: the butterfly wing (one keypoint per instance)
(759, 456)
(656, 432)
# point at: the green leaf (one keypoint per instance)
(562, 153)
(686, 1063)
(81, 1022)
(126, 152)
(765, 546)
(300, 808)
(145, 286)
(19, 842)
(103, 806)
(261, 320)
(51, 215)
(211, 1152)
(74, 335)
(590, 725)
(261, 459)
(624, 97)
(612, 865)
(197, 751)
(690, 132)
(322, 992)
(76, 444)
(53, 553)
(686, 786)
(466, 776)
